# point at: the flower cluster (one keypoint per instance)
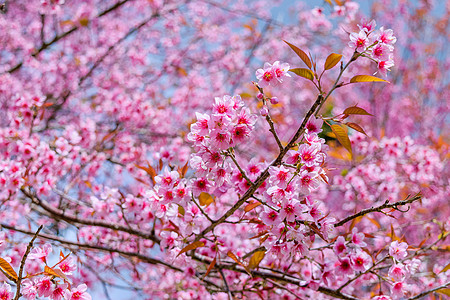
(272, 74)
(376, 44)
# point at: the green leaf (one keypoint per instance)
(305, 73)
(301, 54)
(332, 60)
(342, 136)
(355, 110)
(192, 246)
(366, 78)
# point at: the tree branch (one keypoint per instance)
(22, 263)
(379, 208)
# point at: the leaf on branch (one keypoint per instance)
(342, 136)
(205, 199)
(355, 110)
(6, 267)
(256, 258)
(182, 171)
(192, 246)
(356, 127)
(238, 261)
(211, 266)
(366, 78)
(447, 267)
(302, 72)
(55, 272)
(444, 291)
(301, 54)
(332, 60)
(251, 206)
(150, 171)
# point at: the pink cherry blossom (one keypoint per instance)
(398, 250)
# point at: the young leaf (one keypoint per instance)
(238, 261)
(251, 206)
(342, 136)
(355, 110)
(356, 127)
(301, 54)
(305, 73)
(447, 267)
(192, 246)
(55, 272)
(366, 78)
(444, 291)
(256, 258)
(205, 199)
(6, 267)
(211, 266)
(332, 60)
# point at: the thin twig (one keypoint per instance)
(379, 209)
(22, 263)
(230, 297)
(429, 291)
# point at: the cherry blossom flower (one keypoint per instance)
(361, 261)
(29, 290)
(398, 289)
(40, 252)
(44, 286)
(367, 26)
(358, 238)
(68, 266)
(59, 292)
(5, 292)
(344, 267)
(398, 250)
(339, 246)
(359, 41)
(380, 52)
(386, 36)
(398, 272)
(78, 293)
(270, 217)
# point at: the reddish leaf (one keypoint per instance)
(251, 206)
(355, 127)
(355, 110)
(54, 272)
(301, 54)
(211, 266)
(192, 246)
(332, 60)
(238, 261)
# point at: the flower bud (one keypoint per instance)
(274, 100)
(264, 111)
(260, 96)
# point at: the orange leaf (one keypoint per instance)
(366, 78)
(205, 199)
(211, 266)
(302, 72)
(6, 267)
(301, 54)
(342, 136)
(238, 261)
(251, 206)
(55, 272)
(355, 110)
(332, 60)
(256, 258)
(192, 246)
(356, 127)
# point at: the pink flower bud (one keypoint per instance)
(274, 100)
(264, 111)
(260, 96)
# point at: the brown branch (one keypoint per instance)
(49, 237)
(58, 214)
(423, 294)
(22, 263)
(379, 209)
(261, 178)
(65, 34)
